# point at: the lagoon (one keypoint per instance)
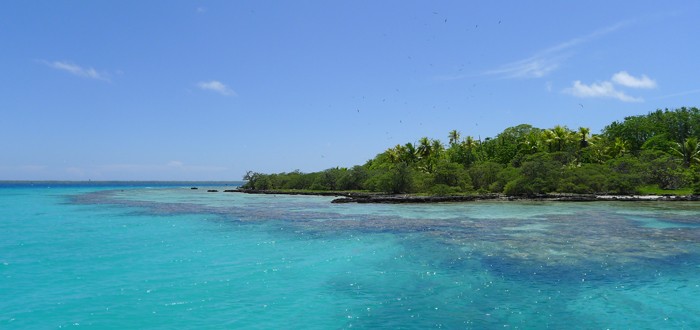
(161, 255)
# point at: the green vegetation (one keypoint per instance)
(655, 190)
(657, 153)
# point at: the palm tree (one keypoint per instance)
(549, 138)
(437, 148)
(531, 144)
(618, 148)
(689, 151)
(409, 153)
(454, 137)
(394, 154)
(467, 147)
(469, 142)
(583, 131)
(424, 148)
(597, 151)
(561, 135)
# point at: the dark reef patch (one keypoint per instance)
(588, 245)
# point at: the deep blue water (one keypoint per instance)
(161, 255)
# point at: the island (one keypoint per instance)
(645, 157)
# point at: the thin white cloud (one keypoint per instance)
(216, 86)
(625, 79)
(580, 40)
(77, 70)
(690, 92)
(533, 67)
(549, 59)
(604, 89)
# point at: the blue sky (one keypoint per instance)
(205, 90)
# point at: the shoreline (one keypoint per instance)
(367, 198)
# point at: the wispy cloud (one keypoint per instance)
(533, 67)
(216, 86)
(549, 59)
(77, 70)
(694, 91)
(625, 79)
(607, 89)
(604, 89)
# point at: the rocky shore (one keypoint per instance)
(355, 197)
(399, 199)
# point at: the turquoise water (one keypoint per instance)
(165, 256)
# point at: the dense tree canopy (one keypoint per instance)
(660, 149)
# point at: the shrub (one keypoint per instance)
(484, 174)
(663, 170)
(452, 175)
(540, 173)
(586, 179)
(444, 190)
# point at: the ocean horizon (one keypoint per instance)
(160, 255)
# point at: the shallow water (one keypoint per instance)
(166, 256)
